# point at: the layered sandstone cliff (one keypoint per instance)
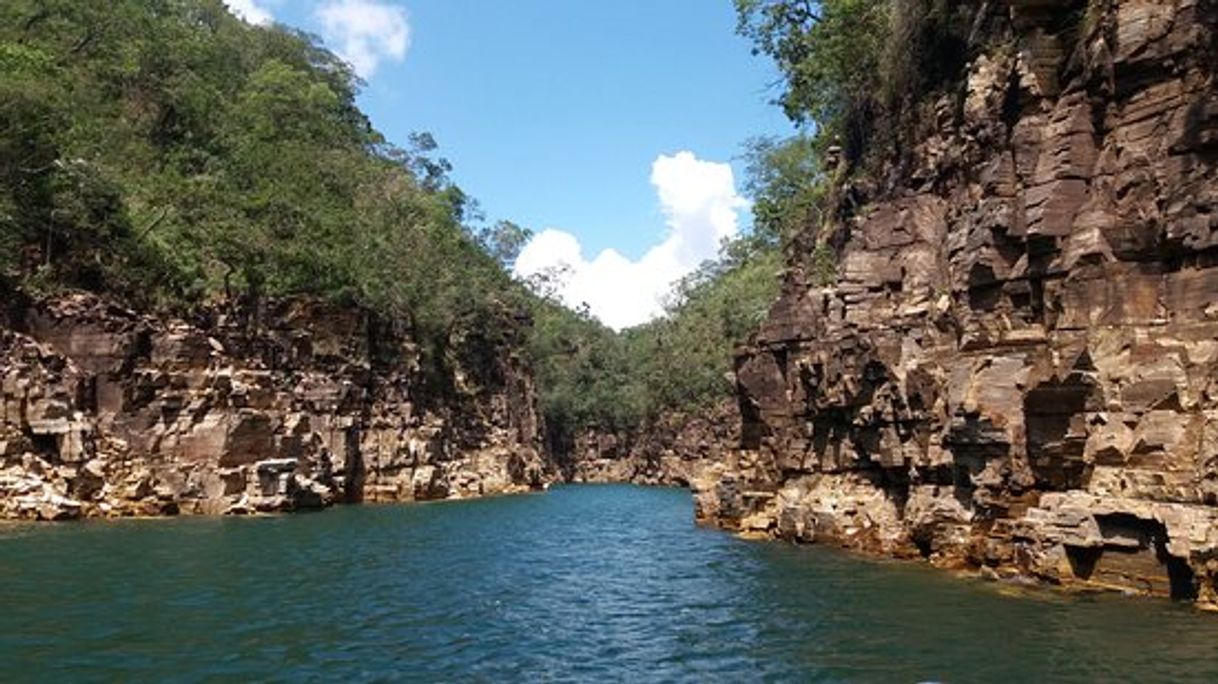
(1016, 368)
(106, 412)
(675, 451)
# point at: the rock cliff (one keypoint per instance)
(106, 412)
(675, 451)
(1015, 369)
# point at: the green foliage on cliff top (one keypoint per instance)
(788, 186)
(855, 69)
(592, 377)
(166, 152)
(689, 353)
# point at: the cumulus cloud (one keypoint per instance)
(700, 206)
(365, 32)
(250, 11)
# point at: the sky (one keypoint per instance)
(610, 128)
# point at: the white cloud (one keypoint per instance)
(365, 32)
(250, 11)
(700, 206)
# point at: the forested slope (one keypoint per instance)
(167, 153)
(224, 291)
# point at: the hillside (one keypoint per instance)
(226, 292)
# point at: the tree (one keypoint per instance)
(829, 53)
(504, 240)
(167, 153)
(785, 180)
(854, 69)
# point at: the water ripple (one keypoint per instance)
(582, 584)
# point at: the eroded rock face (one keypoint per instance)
(1016, 369)
(104, 412)
(674, 452)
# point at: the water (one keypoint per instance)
(584, 583)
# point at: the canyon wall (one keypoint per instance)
(675, 451)
(293, 405)
(1015, 369)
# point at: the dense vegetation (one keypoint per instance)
(168, 153)
(165, 152)
(856, 71)
(592, 377)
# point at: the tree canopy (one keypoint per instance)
(166, 152)
(594, 378)
(854, 69)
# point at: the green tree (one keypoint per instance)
(504, 240)
(784, 178)
(854, 70)
(166, 152)
(830, 55)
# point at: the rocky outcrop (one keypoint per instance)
(295, 405)
(674, 451)
(1016, 368)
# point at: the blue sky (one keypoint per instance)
(600, 124)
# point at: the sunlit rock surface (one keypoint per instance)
(675, 451)
(1016, 368)
(296, 405)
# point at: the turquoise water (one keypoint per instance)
(581, 584)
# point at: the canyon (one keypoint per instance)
(1013, 371)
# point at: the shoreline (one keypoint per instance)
(982, 575)
(1007, 583)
